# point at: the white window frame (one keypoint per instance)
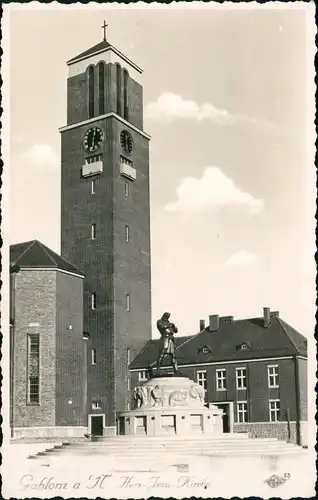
(93, 186)
(203, 379)
(93, 231)
(275, 410)
(242, 411)
(238, 377)
(128, 304)
(127, 188)
(273, 377)
(127, 235)
(93, 301)
(222, 379)
(142, 376)
(93, 356)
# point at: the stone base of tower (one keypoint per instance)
(167, 406)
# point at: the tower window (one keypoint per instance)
(93, 301)
(93, 186)
(126, 114)
(93, 230)
(93, 356)
(33, 392)
(118, 87)
(101, 87)
(126, 188)
(128, 357)
(126, 233)
(128, 383)
(127, 302)
(91, 83)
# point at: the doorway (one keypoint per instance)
(226, 415)
(97, 425)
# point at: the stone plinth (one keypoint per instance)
(170, 406)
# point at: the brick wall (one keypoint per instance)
(270, 430)
(35, 302)
(70, 358)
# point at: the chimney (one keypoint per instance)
(267, 317)
(202, 325)
(214, 322)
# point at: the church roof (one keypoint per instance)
(279, 339)
(33, 254)
(102, 47)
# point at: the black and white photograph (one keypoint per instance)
(158, 259)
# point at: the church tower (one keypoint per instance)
(105, 218)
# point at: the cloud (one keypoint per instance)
(170, 106)
(40, 155)
(242, 259)
(211, 193)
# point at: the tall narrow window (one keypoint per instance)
(118, 85)
(126, 114)
(272, 373)
(241, 378)
(202, 378)
(221, 380)
(126, 188)
(274, 410)
(33, 393)
(101, 88)
(91, 92)
(126, 233)
(128, 357)
(93, 186)
(93, 356)
(93, 231)
(93, 300)
(127, 302)
(128, 384)
(242, 412)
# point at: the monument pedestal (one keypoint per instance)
(167, 406)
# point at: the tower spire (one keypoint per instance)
(104, 28)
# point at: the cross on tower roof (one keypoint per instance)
(104, 28)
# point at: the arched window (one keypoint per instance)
(126, 115)
(101, 88)
(118, 84)
(91, 92)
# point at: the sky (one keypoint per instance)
(227, 102)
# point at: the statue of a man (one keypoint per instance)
(167, 331)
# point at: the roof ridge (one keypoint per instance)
(71, 264)
(47, 253)
(28, 248)
(284, 329)
(140, 352)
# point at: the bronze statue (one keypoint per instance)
(167, 331)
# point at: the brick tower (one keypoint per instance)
(105, 219)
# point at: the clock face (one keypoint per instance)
(93, 139)
(126, 141)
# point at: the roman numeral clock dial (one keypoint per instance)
(93, 139)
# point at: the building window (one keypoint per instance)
(93, 301)
(93, 159)
(221, 380)
(201, 378)
(126, 115)
(126, 233)
(127, 302)
(241, 379)
(272, 372)
(33, 393)
(91, 84)
(142, 376)
(242, 412)
(126, 161)
(93, 356)
(93, 187)
(96, 405)
(126, 188)
(93, 231)
(128, 383)
(128, 406)
(128, 357)
(274, 410)
(101, 87)
(118, 87)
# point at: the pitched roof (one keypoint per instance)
(36, 255)
(279, 339)
(96, 48)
